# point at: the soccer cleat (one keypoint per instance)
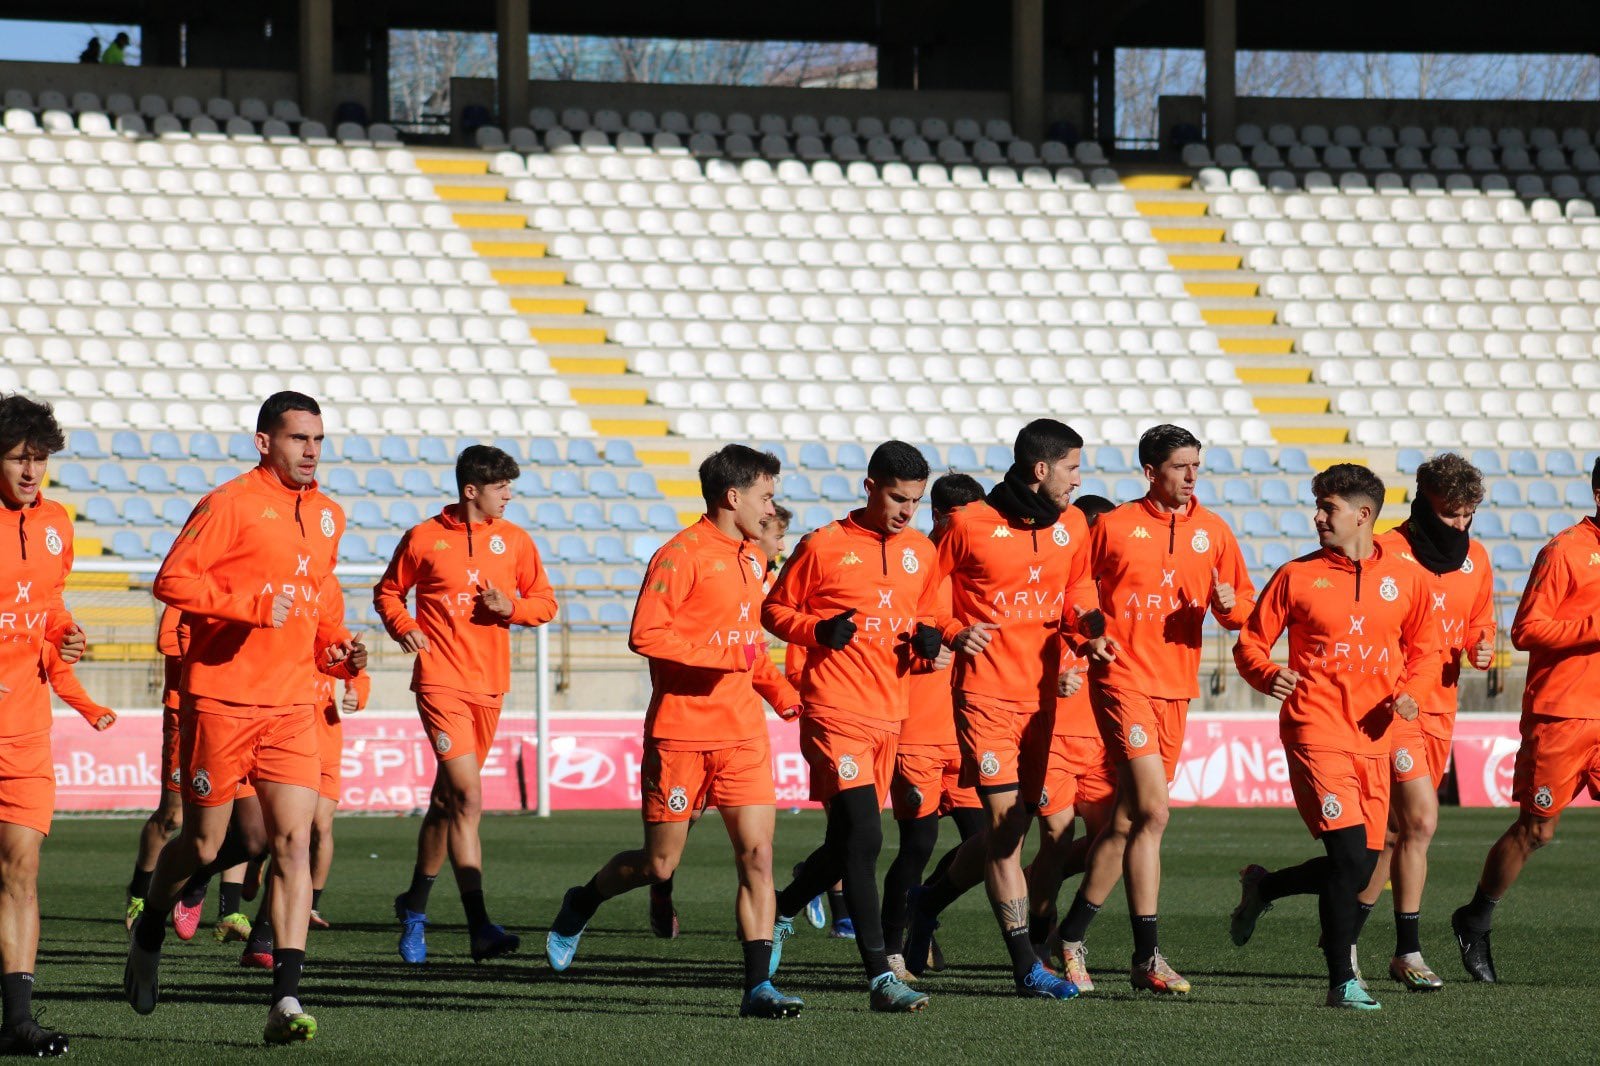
(936, 961)
(233, 926)
(33, 1040)
(1355, 968)
(1351, 996)
(843, 929)
(919, 936)
(1045, 984)
(1411, 971)
(782, 930)
(317, 921)
(492, 941)
(1242, 924)
(135, 908)
(288, 1024)
(1072, 962)
(186, 919)
(1474, 945)
(561, 942)
(897, 966)
(894, 996)
(256, 956)
(413, 932)
(765, 1001)
(817, 913)
(1157, 975)
(663, 915)
(141, 978)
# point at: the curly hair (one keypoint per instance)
(1450, 479)
(29, 422)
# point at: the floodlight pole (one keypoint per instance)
(511, 45)
(1027, 69)
(316, 59)
(1222, 97)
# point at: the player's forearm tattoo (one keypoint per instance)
(1013, 913)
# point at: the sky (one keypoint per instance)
(59, 42)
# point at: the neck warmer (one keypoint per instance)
(1437, 546)
(1016, 499)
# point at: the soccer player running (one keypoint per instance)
(859, 596)
(1160, 561)
(167, 818)
(1363, 651)
(1018, 564)
(36, 549)
(253, 572)
(1558, 625)
(698, 622)
(476, 576)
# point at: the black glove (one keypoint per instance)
(836, 632)
(1093, 624)
(926, 642)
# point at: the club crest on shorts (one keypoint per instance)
(1403, 762)
(327, 522)
(909, 561)
(1466, 565)
(1044, 797)
(441, 743)
(1389, 590)
(1137, 737)
(1331, 807)
(1060, 535)
(1200, 542)
(201, 783)
(1543, 798)
(678, 800)
(176, 777)
(989, 765)
(849, 769)
(497, 544)
(52, 540)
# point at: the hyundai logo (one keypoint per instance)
(580, 768)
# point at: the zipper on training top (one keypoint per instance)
(883, 547)
(297, 521)
(22, 533)
(469, 539)
(1358, 580)
(1172, 533)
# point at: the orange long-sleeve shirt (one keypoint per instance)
(1029, 581)
(698, 607)
(328, 688)
(931, 714)
(1154, 572)
(890, 583)
(1461, 604)
(1075, 713)
(65, 681)
(172, 636)
(469, 649)
(1359, 635)
(247, 541)
(1558, 625)
(35, 558)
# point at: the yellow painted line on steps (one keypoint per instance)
(82, 546)
(1257, 345)
(1311, 434)
(1172, 208)
(566, 364)
(1395, 494)
(1205, 262)
(632, 427)
(1383, 525)
(549, 278)
(1157, 182)
(111, 616)
(689, 518)
(1222, 289)
(545, 335)
(1238, 316)
(1323, 462)
(1274, 375)
(480, 194)
(656, 457)
(1292, 405)
(471, 220)
(1185, 235)
(83, 579)
(678, 488)
(509, 250)
(534, 305)
(454, 166)
(113, 652)
(611, 397)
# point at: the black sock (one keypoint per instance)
(757, 962)
(139, 887)
(18, 993)
(230, 899)
(1039, 927)
(1144, 938)
(287, 966)
(662, 888)
(1363, 912)
(260, 934)
(477, 912)
(837, 906)
(195, 891)
(1306, 879)
(1479, 914)
(1407, 933)
(150, 930)
(416, 899)
(822, 868)
(316, 898)
(917, 839)
(1079, 915)
(587, 899)
(1023, 960)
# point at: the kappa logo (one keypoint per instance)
(1137, 737)
(441, 743)
(1001, 532)
(1061, 536)
(849, 770)
(718, 566)
(200, 784)
(1201, 542)
(1403, 762)
(1322, 583)
(1139, 533)
(441, 545)
(1466, 565)
(850, 559)
(989, 765)
(1594, 558)
(497, 544)
(52, 540)
(270, 513)
(327, 522)
(909, 561)
(1543, 798)
(1408, 557)
(1389, 590)
(1331, 807)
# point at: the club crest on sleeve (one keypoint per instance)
(1466, 565)
(989, 765)
(849, 769)
(1061, 536)
(1331, 807)
(1137, 737)
(1543, 798)
(678, 799)
(909, 561)
(327, 522)
(497, 544)
(1403, 762)
(52, 540)
(200, 784)
(1389, 590)
(1200, 542)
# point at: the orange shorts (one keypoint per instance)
(844, 753)
(927, 780)
(330, 749)
(676, 784)
(1134, 725)
(171, 775)
(1079, 774)
(1003, 742)
(28, 782)
(1558, 758)
(1337, 790)
(225, 743)
(1415, 753)
(457, 726)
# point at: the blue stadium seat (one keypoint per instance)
(542, 543)
(1507, 557)
(1504, 493)
(154, 480)
(1293, 461)
(962, 457)
(1258, 524)
(621, 453)
(242, 447)
(551, 515)
(1560, 464)
(416, 482)
(192, 480)
(1558, 522)
(590, 582)
(572, 548)
(567, 483)
(1220, 461)
(434, 452)
(517, 514)
(543, 453)
(175, 512)
(510, 446)
(1302, 492)
(1543, 494)
(1580, 497)
(588, 516)
(1239, 492)
(1110, 460)
(403, 514)
(101, 512)
(776, 449)
(130, 545)
(614, 615)
(83, 444)
(1275, 555)
(1257, 460)
(1094, 486)
(851, 457)
(381, 482)
(814, 456)
(1522, 463)
(161, 542)
(644, 546)
(126, 444)
(577, 617)
(642, 486)
(331, 452)
(1129, 488)
(1526, 526)
(603, 484)
(113, 478)
(1488, 463)
(385, 545)
(394, 449)
(364, 514)
(922, 521)
(625, 517)
(1296, 526)
(836, 489)
(165, 445)
(930, 452)
(582, 452)
(1408, 459)
(1487, 525)
(997, 457)
(341, 481)
(816, 517)
(1275, 492)
(556, 576)
(797, 488)
(1247, 552)
(1205, 491)
(353, 549)
(530, 483)
(626, 578)
(359, 449)
(662, 518)
(609, 549)
(225, 473)
(204, 447)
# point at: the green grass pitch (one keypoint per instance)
(632, 998)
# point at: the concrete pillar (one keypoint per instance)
(511, 42)
(1105, 96)
(1222, 97)
(1027, 69)
(316, 59)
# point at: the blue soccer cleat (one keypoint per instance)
(765, 1001)
(817, 913)
(561, 942)
(1045, 984)
(413, 932)
(782, 930)
(892, 995)
(843, 929)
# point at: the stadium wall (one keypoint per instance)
(1265, 111)
(201, 83)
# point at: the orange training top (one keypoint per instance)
(1558, 625)
(1461, 603)
(1359, 635)
(171, 638)
(1026, 579)
(65, 681)
(1075, 713)
(931, 713)
(36, 556)
(247, 541)
(699, 606)
(889, 582)
(469, 649)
